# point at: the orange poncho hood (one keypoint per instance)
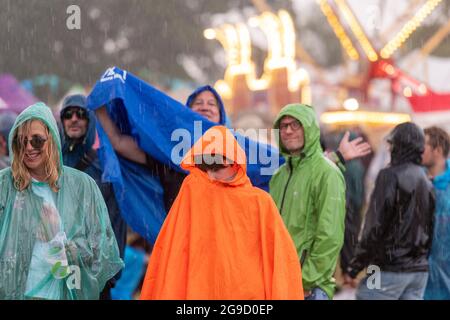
(218, 142)
(222, 240)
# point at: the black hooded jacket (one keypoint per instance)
(398, 224)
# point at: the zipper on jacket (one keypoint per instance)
(287, 184)
(303, 257)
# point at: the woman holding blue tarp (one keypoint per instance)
(205, 101)
(56, 241)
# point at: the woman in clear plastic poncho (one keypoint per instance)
(56, 240)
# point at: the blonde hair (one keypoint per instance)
(20, 172)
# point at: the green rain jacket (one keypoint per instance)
(309, 191)
(40, 259)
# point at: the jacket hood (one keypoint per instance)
(42, 112)
(78, 100)
(218, 140)
(307, 117)
(223, 115)
(408, 143)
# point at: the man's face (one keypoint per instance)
(292, 135)
(429, 155)
(75, 122)
(205, 104)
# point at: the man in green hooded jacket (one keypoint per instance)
(309, 191)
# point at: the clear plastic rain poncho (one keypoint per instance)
(54, 245)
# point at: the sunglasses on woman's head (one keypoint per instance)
(81, 113)
(36, 141)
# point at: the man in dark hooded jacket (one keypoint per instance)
(397, 233)
(78, 139)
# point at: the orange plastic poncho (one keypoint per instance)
(222, 240)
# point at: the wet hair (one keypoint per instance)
(438, 138)
(408, 143)
(20, 172)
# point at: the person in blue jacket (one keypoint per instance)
(435, 159)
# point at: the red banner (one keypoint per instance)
(430, 102)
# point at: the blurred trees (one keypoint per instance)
(146, 37)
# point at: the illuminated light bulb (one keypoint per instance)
(288, 34)
(338, 30)
(373, 58)
(224, 89)
(356, 28)
(389, 69)
(407, 92)
(423, 88)
(209, 34)
(245, 44)
(253, 22)
(351, 117)
(258, 84)
(351, 104)
(410, 27)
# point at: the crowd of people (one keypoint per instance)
(64, 236)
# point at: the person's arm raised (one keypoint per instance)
(354, 149)
(124, 145)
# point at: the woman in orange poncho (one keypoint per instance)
(223, 238)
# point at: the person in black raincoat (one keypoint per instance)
(398, 227)
(78, 139)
